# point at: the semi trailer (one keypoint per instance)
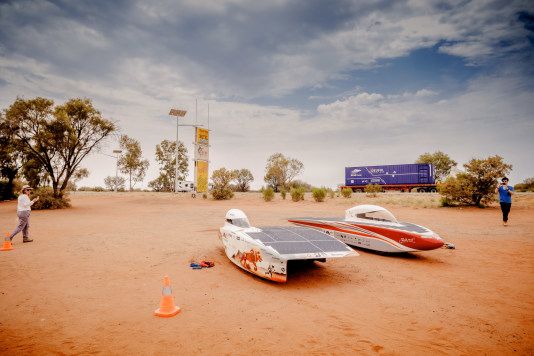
(403, 177)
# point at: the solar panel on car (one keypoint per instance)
(295, 240)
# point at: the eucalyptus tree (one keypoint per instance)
(131, 161)
(59, 138)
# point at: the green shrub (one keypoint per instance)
(346, 192)
(223, 193)
(268, 194)
(475, 186)
(283, 193)
(319, 194)
(47, 199)
(222, 188)
(456, 190)
(297, 194)
(372, 189)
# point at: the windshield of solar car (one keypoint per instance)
(241, 222)
(380, 215)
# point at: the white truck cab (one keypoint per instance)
(185, 186)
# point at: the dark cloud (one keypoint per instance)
(242, 49)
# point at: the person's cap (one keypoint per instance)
(24, 187)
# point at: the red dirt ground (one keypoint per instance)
(91, 280)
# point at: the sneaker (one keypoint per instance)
(27, 240)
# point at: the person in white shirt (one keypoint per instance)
(24, 208)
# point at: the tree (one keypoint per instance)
(114, 182)
(78, 175)
(58, 138)
(281, 170)
(297, 183)
(166, 157)
(526, 186)
(34, 172)
(441, 161)
(131, 162)
(222, 179)
(243, 179)
(11, 156)
(475, 186)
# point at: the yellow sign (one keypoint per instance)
(203, 136)
(202, 176)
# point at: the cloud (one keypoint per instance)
(250, 49)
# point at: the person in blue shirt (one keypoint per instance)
(505, 197)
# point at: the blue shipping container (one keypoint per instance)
(391, 174)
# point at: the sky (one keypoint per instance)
(330, 83)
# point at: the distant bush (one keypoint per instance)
(222, 179)
(330, 192)
(47, 199)
(95, 189)
(268, 194)
(113, 182)
(204, 196)
(297, 194)
(300, 184)
(283, 193)
(372, 189)
(456, 191)
(346, 193)
(526, 186)
(475, 186)
(319, 194)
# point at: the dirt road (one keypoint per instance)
(91, 280)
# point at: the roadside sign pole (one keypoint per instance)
(176, 163)
(178, 113)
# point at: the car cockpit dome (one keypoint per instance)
(237, 218)
(370, 212)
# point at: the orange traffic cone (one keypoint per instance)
(166, 307)
(7, 246)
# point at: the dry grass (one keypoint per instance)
(415, 200)
(427, 200)
(419, 200)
